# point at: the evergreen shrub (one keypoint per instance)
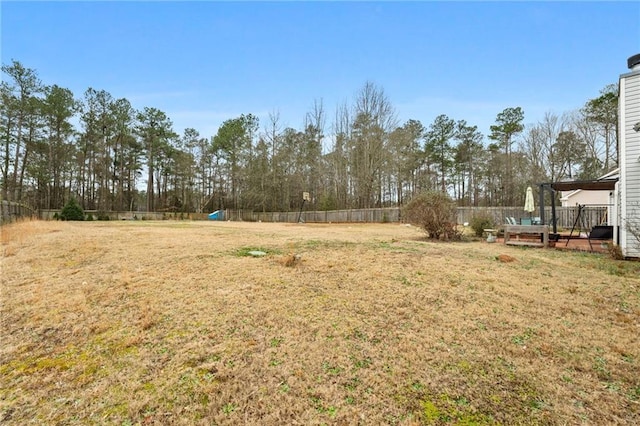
(72, 211)
(480, 222)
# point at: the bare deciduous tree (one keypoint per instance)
(374, 119)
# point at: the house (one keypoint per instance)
(621, 190)
(590, 198)
(627, 201)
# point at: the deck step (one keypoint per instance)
(524, 243)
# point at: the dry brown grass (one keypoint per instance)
(170, 323)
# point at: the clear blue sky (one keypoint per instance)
(205, 62)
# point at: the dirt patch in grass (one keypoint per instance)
(172, 323)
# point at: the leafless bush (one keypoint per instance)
(435, 213)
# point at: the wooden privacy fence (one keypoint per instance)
(10, 211)
(381, 215)
(592, 215)
(128, 215)
(566, 216)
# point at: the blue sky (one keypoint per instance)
(205, 62)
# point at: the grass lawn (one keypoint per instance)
(176, 323)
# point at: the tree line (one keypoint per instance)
(108, 155)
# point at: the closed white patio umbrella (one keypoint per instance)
(529, 205)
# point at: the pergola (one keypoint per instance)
(552, 187)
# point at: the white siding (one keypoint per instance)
(582, 196)
(630, 159)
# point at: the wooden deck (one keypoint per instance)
(575, 244)
(582, 244)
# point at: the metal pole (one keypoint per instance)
(300, 214)
(553, 211)
(541, 203)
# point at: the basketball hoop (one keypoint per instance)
(305, 198)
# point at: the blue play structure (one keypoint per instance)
(217, 215)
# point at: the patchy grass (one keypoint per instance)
(248, 251)
(153, 323)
